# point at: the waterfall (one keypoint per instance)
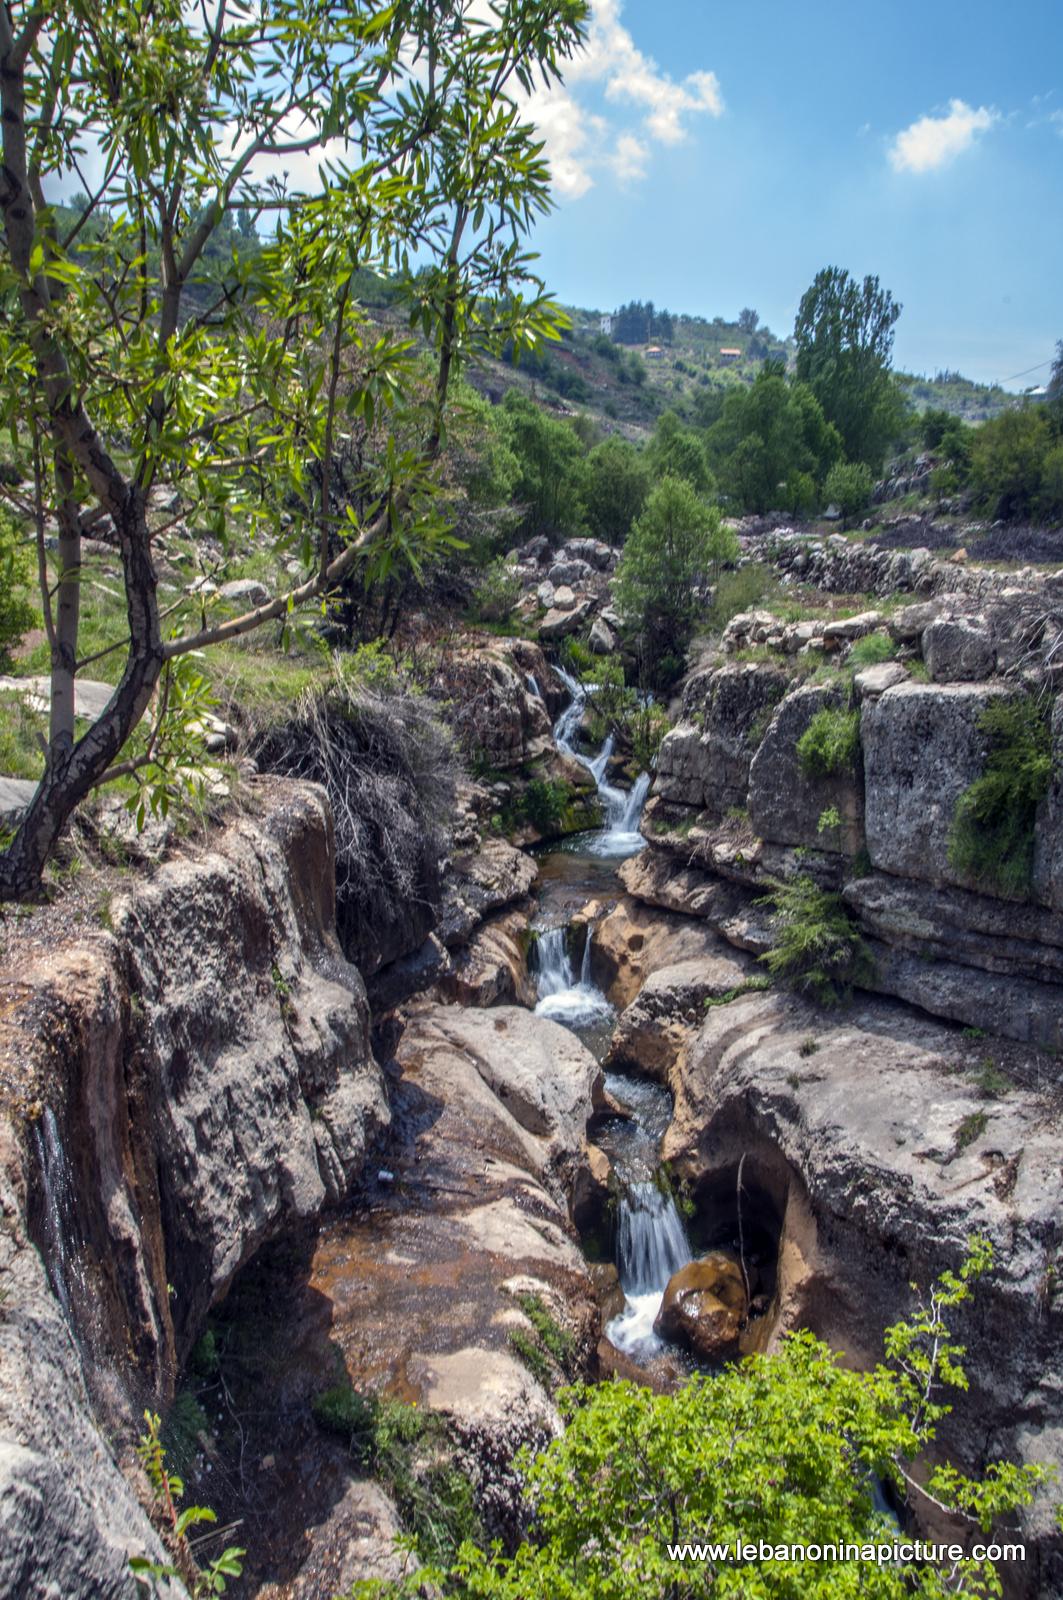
(563, 997)
(651, 1246)
(533, 685)
(621, 809)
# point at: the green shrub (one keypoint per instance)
(872, 649)
(818, 949)
(992, 836)
(555, 1339)
(543, 803)
(496, 593)
(17, 615)
(831, 743)
(405, 1449)
(848, 487)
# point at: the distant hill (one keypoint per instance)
(950, 391)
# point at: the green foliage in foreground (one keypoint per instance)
(992, 835)
(831, 743)
(818, 949)
(780, 1448)
(871, 650)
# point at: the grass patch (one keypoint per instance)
(970, 1129)
(527, 1349)
(831, 743)
(552, 1336)
(991, 1082)
(818, 949)
(747, 986)
(992, 837)
(871, 650)
(405, 1449)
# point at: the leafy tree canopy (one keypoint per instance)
(844, 335)
(133, 351)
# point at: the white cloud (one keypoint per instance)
(1056, 119)
(932, 142)
(579, 142)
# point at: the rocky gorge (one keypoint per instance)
(389, 1152)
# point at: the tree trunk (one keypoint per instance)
(73, 770)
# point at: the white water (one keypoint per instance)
(651, 1246)
(621, 809)
(58, 1190)
(563, 997)
(533, 685)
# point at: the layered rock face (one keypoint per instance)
(209, 1082)
(867, 1145)
(735, 805)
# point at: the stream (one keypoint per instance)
(651, 1241)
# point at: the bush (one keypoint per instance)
(780, 1449)
(405, 1449)
(543, 803)
(872, 649)
(848, 487)
(992, 837)
(496, 593)
(17, 615)
(390, 770)
(741, 590)
(831, 743)
(818, 949)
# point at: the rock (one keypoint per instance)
(485, 697)
(786, 802)
(592, 551)
(872, 1159)
(480, 882)
(602, 638)
(90, 697)
(564, 598)
(658, 880)
(872, 681)
(634, 941)
(558, 623)
(408, 975)
(704, 763)
(493, 969)
(355, 1542)
(245, 592)
(657, 1025)
(545, 594)
(536, 550)
(845, 629)
(909, 623)
(1048, 835)
(704, 1307)
(592, 1192)
(959, 650)
(567, 573)
(922, 748)
(15, 796)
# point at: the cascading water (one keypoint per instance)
(563, 997)
(621, 809)
(57, 1186)
(651, 1245)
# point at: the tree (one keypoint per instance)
(617, 483)
(550, 462)
(748, 320)
(679, 452)
(134, 353)
(767, 434)
(1055, 380)
(779, 1451)
(1007, 461)
(671, 554)
(844, 335)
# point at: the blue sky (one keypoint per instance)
(714, 155)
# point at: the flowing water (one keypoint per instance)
(651, 1242)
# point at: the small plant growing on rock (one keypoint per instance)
(831, 743)
(992, 1083)
(808, 1047)
(992, 836)
(168, 1489)
(970, 1129)
(829, 819)
(871, 650)
(818, 949)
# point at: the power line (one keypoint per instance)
(1028, 370)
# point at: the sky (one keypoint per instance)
(715, 154)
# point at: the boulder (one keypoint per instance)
(634, 941)
(558, 623)
(15, 796)
(845, 629)
(872, 681)
(493, 969)
(704, 1307)
(960, 650)
(922, 748)
(90, 697)
(670, 1006)
(592, 551)
(785, 801)
(704, 761)
(245, 592)
(908, 623)
(564, 597)
(481, 881)
(569, 572)
(602, 638)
